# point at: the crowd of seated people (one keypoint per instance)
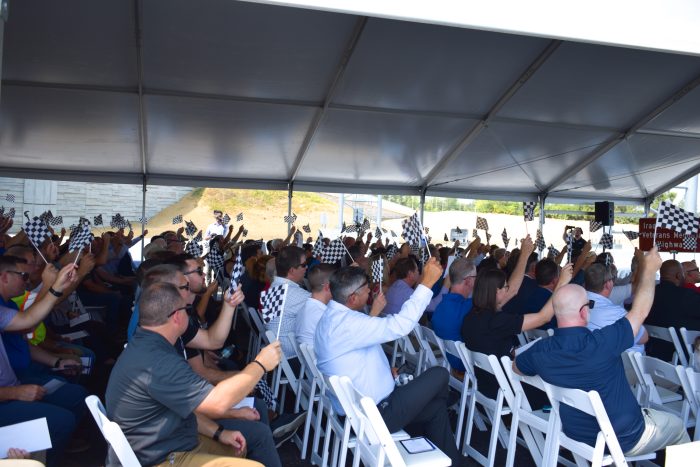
(161, 349)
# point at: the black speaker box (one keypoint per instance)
(605, 212)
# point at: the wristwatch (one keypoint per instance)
(55, 293)
(217, 433)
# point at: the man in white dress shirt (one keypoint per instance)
(348, 342)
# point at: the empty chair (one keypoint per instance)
(688, 337)
(690, 380)
(112, 433)
(375, 445)
(656, 376)
(669, 335)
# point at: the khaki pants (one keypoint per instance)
(208, 453)
(661, 429)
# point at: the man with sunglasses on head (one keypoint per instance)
(576, 357)
(348, 343)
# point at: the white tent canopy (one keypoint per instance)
(235, 94)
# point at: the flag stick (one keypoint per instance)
(77, 256)
(37, 249)
(346, 249)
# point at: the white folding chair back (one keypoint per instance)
(690, 380)
(283, 376)
(590, 403)
(657, 376)
(533, 334)
(669, 335)
(464, 387)
(688, 337)
(375, 445)
(257, 329)
(433, 348)
(494, 408)
(112, 433)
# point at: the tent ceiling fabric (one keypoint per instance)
(249, 95)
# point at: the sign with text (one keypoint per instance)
(666, 239)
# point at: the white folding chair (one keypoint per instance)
(257, 333)
(657, 375)
(284, 376)
(688, 337)
(494, 408)
(112, 433)
(590, 403)
(431, 347)
(465, 387)
(533, 334)
(669, 335)
(690, 380)
(375, 445)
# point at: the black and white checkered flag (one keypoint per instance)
(365, 224)
(272, 301)
(539, 241)
(244, 233)
(475, 233)
(318, 246)
(193, 248)
(424, 255)
(445, 238)
(458, 230)
(190, 228)
(10, 197)
(306, 228)
(677, 219)
(504, 237)
(57, 220)
(553, 252)
(97, 220)
(290, 219)
(46, 216)
(350, 228)
(239, 217)
(81, 237)
(177, 219)
(631, 235)
(393, 234)
(226, 219)
(690, 242)
(143, 220)
(236, 272)
(215, 259)
(412, 230)
(378, 232)
(488, 238)
(482, 223)
(333, 252)
(118, 221)
(606, 241)
(529, 210)
(36, 230)
(391, 251)
(378, 270)
(10, 214)
(595, 226)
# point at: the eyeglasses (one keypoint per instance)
(692, 270)
(303, 265)
(359, 288)
(187, 308)
(25, 275)
(199, 271)
(590, 305)
(186, 286)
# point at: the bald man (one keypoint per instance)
(674, 305)
(692, 275)
(576, 357)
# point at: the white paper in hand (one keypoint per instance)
(31, 436)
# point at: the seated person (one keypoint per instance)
(153, 394)
(310, 315)
(348, 342)
(576, 357)
(407, 276)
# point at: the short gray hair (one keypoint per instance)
(461, 268)
(345, 281)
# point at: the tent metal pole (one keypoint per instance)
(541, 199)
(422, 205)
(290, 193)
(379, 211)
(143, 216)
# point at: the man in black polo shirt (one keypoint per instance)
(576, 357)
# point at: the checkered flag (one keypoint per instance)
(236, 272)
(81, 237)
(58, 220)
(631, 235)
(10, 213)
(539, 241)
(333, 252)
(412, 230)
(424, 255)
(365, 224)
(118, 221)
(97, 220)
(446, 239)
(482, 223)
(529, 210)
(391, 251)
(193, 248)
(272, 301)
(215, 259)
(475, 233)
(393, 234)
(143, 220)
(553, 252)
(350, 228)
(239, 217)
(677, 219)
(46, 216)
(595, 226)
(378, 232)
(690, 242)
(226, 219)
(378, 270)
(290, 219)
(458, 230)
(607, 241)
(306, 228)
(318, 246)
(10, 197)
(36, 230)
(190, 228)
(177, 219)
(488, 238)
(504, 237)
(244, 233)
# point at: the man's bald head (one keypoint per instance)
(567, 302)
(672, 271)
